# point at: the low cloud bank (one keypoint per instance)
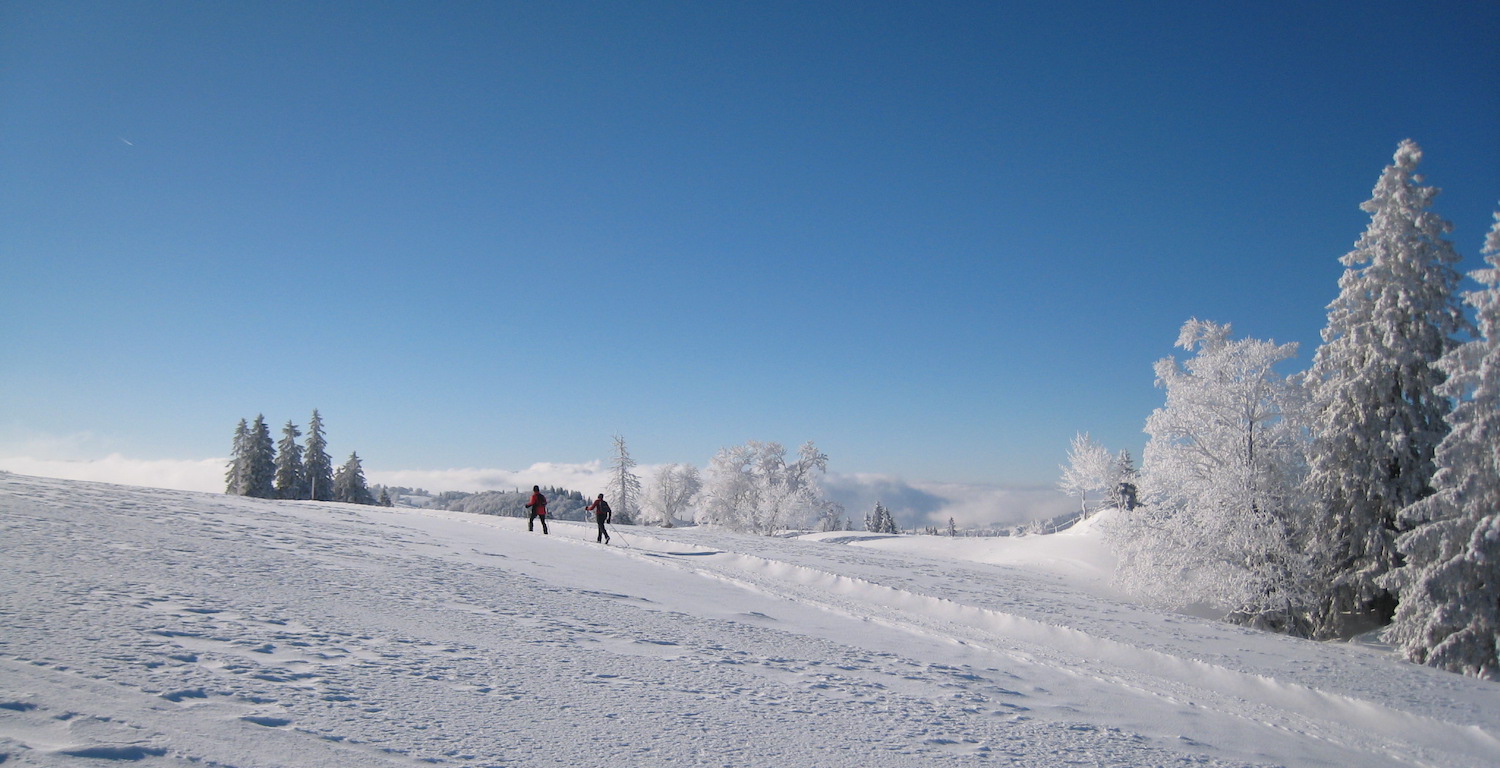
(196, 475)
(921, 504)
(588, 478)
(208, 475)
(914, 504)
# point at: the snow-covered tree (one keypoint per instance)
(1221, 478)
(672, 492)
(262, 461)
(349, 483)
(291, 476)
(831, 517)
(624, 486)
(1127, 487)
(880, 520)
(317, 462)
(1449, 615)
(1377, 416)
(237, 478)
(752, 487)
(1093, 474)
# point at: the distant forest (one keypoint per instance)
(562, 504)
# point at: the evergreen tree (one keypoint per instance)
(317, 462)
(1377, 417)
(237, 479)
(349, 483)
(291, 477)
(262, 461)
(1126, 485)
(1449, 615)
(385, 498)
(880, 520)
(624, 487)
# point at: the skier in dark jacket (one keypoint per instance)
(600, 508)
(538, 507)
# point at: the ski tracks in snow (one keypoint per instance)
(162, 628)
(1162, 681)
(170, 629)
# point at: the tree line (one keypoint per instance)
(753, 488)
(562, 504)
(1360, 494)
(288, 470)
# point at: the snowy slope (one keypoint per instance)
(168, 628)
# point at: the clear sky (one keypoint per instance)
(936, 238)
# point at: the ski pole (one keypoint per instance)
(616, 532)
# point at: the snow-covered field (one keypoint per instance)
(169, 628)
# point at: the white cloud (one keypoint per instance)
(587, 478)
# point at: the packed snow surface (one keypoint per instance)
(168, 628)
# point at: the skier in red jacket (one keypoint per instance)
(600, 508)
(538, 507)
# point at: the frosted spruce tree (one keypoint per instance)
(1449, 615)
(1377, 417)
(1220, 479)
(261, 467)
(349, 483)
(237, 478)
(880, 520)
(624, 489)
(317, 462)
(1127, 489)
(291, 476)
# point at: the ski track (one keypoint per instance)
(165, 628)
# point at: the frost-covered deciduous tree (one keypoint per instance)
(317, 462)
(1093, 474)
(624, 486)
(1449, 615)
(753, 488)
(1220, 479)
(349, 483)
(291, 476)
(1377, 416)
(672, 492)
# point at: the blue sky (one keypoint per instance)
(937, 239)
